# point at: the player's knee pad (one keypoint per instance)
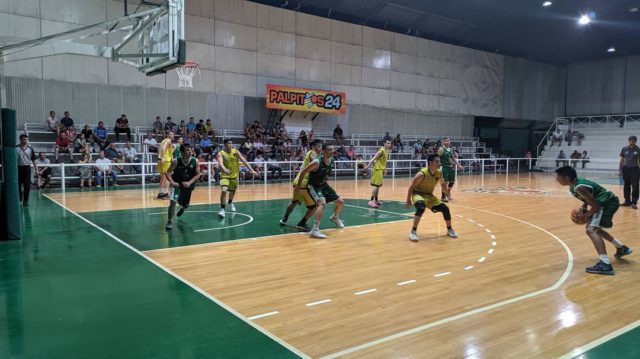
(420, 208)
(446, 213)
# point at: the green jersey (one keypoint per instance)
(185, 172)
(603, 196)
(446, 160)
(320, 176)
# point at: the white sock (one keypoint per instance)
(316, 226)
(617, 243)
(604, 258)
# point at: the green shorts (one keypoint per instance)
(323, 191)
(448, 174)
(604, 217)
(181, 195)
(230, 183)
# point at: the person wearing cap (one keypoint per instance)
(629, 169)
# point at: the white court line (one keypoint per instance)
(216, 228)
(490, 251)
(459, 216)
(264, 315)
(441, 274)
(482, 259)
(366, 291)
(488, 230)
(407, 282)
(193, 286)
(493, 237)
(471, 220)
(481, 226)
(468, 267)
(494, 243)
(380, 210)
(318, 302)
(563, 278)
(581, 350)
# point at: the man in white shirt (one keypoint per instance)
(151, 143)
(556, 137)
(131, 156)
(103, 168)
(43, 172)
(52, 123)
(259, 164)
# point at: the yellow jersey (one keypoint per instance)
(231, 160)
(381, 162)
(167, 156)
(429, 182)
(307, 159)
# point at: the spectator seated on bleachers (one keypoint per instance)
(151, 143)
(182, 129)
(66, 121)
(63, 145)
(85, 170)
(568, 137)
(200, 131)
(158, 128)
(302, 137)
(131, 156)
(575, 157)
(338, 134)
(43, 171)
(206, 145)
(122, 126)
(579, 136)
(351, 153)
(208, 129)
(104, 170)
(556, 137)
(169, 126)
(79, 143)
(191, 125)
(584, 159)
(115, 156)
(274, 168)
(311, 136)
(88, 134)
(562, 158)
(397, 142)
(101, 136)
(191, 140)
(387, 137)
(361, 164)
(52, 123)
(417, 148)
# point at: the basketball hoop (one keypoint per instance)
(186, 73)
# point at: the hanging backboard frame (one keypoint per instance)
(152, 40)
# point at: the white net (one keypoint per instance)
(186, 74)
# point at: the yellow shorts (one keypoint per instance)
(163, 166)
(376, 177)
(230, 183)
(304, 197)
(429, 200)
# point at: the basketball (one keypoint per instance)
(576, 216)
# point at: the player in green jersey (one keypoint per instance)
(448, 159)
(182, 175)
(598, 208)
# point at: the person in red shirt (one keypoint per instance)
(63, 144)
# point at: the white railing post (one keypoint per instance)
(143, 171)
(62, 175)
(265, 172)
(530, 162)
(393, 170)
(209, 169)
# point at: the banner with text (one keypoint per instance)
(303, 99)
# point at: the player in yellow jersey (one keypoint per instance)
(302, 194)
(165, 156)
(229, 159)
(379, 169)
(421, 195)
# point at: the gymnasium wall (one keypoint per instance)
(241, 46)
(609, 86)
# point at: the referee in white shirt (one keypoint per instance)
(26, 157)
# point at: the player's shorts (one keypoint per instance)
(230, 183)
(323, 191)
(303, 196)
(163, 167)
(429, 200)
(181, 195)
(604, 217)
(448, 174)
(376, 178)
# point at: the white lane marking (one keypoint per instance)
(441, 274)
(407, 282)
(481, 226)
(365, 291)
(581, 350)
(490, 251)
(459, 216)
(482, 259)
(494, 243)
(193, 286)
(488, 230)
(493, 237)
(318, 302)
(563, 278)
(226, 227)
(468, 267)
(264, 315)
(471, 220)
(380, 210)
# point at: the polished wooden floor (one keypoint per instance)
(512, 285)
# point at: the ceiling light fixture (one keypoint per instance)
(584, 20)
(634, 9)
(611, 49)
(547, 3)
